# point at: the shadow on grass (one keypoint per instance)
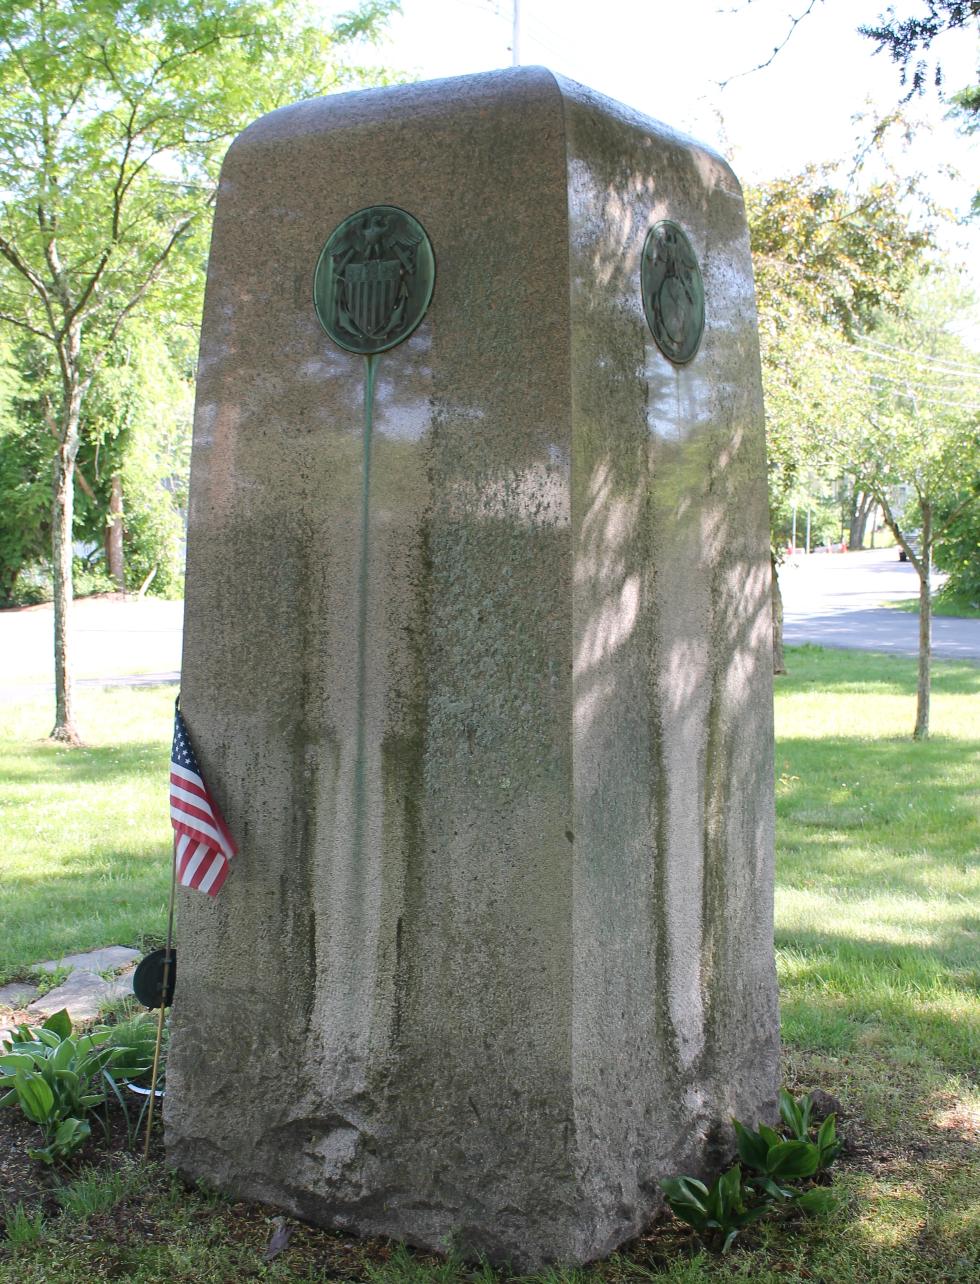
(889, 817)
(110, 898)
(97, 764)
(872, 673)
(950, 956)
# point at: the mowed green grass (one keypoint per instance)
(85, 835)
(878, 882)
(877, 950)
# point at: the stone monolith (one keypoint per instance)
(477, 665)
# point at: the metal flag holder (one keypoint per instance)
(165, 998)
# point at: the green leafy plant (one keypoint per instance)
(56, 1078)
(68, 1136)
(22, 1227)
(717, 1212)
(135, 1041)
(798, 1118)
(45, 981)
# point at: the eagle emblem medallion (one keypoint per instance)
(374, 279)
(673, 291)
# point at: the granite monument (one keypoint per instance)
(477, 665)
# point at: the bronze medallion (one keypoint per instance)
(673, 291)
(374, 279)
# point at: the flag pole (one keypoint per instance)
(163, 1004)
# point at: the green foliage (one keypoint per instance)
(96, 1190)
(827, 257)
(958, 552)
(138, 428)
(90, 580)
(721, 1211)
(22, 1227)
(25, 485)
(134, 1041)
(114, 117)
(917, 390)
(56, 1079)
(907, 39)
(45, 980)
(717, 1212)
(68, 1137)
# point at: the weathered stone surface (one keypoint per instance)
(102, 960)
(496, 953)
(17, 994)
(82, 993)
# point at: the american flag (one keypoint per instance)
(203, 847)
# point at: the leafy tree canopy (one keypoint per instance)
(114, 115)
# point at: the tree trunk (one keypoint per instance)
(924, 568)
(114, 535)
(62, 521)
(778, 660)
(861, 506)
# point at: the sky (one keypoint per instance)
(668, 60)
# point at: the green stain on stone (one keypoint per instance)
(370, 376)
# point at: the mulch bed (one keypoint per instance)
(29, 1182)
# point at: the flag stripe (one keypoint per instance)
(210, 878)
(204, 833)
(203, 845)
(186, 780)
(190, 813)
(191, 864)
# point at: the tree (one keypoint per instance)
(907, 39)
(826, 258)
(25, 470)
(114, 116)
(959, 552)
(920, 451)
(131, 469)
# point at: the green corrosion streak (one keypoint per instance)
(370, 375)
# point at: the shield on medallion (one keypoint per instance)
(371, 292)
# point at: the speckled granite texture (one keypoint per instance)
(488, 979)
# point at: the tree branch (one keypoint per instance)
(25, 325)
(794, 23)
(16, 259)
(153, 272)
(951, 517)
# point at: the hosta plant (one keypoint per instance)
(56, 1078)
(717, 1212)
(774, 1163)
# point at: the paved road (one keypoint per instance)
(835, 599)
(115, 640)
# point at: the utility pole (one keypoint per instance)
(515, 40)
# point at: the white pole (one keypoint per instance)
(808, 531)
(794, 529)
(515, 41)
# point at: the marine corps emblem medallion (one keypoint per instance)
(673, 291)
(374, 279)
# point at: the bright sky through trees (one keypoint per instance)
(667, 59)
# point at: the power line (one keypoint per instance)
(938, 362)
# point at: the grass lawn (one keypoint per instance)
(85, 835)
(944, 609)
(877, 952)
